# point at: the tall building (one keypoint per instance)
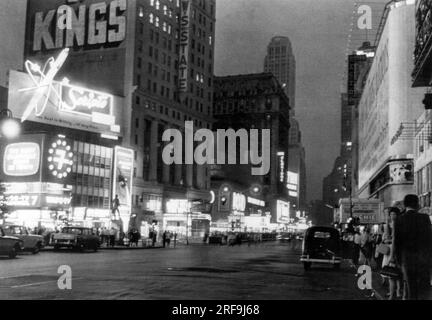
(388, 109)
(359, 63)
(158, 56)
(422, 77)
(254, 101)
(280, 61)
(12, 22)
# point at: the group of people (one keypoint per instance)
(107, 236)
(402, 250)
(166, 238)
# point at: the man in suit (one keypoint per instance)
(412, 247)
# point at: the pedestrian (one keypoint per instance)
(366, 245)
(412, 247)
(112, 234)
(154, 237)
(386, 247)
(356, 246)
(164, 237)
(168, 238)
(175, 239)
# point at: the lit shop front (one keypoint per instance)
(180, 218)
(36, 175)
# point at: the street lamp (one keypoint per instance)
(9, 127)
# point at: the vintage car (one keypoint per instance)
(76, 238)
(32, 242)
(321, 245)
(9, 245)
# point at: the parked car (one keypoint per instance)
(321, 245)
(76, 238)
(32, 242)
(9, 245)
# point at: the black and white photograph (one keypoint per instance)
(222, 151)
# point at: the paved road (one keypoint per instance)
(265, 271)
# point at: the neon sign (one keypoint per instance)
(21, 159)
(66, 98)
(60, 158)
(184, 45)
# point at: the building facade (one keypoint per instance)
(157, 55)
(254, 101)
(387, 108)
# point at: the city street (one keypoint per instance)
(263, 271)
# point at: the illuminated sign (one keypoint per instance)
(281, 156)
(81, 101)
(154, 205)
(184, 45)
(239, 202)
(35, 96)
(123, 175)
(256, 201)
(95, 24)
(60, 158)
(177, 206)
(292, 184)
(283, 211)
(21, 159)
(22, 200)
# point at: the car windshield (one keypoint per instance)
(10, 230)
(72, 230)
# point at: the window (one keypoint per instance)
(150, 68)
(150, 51)
(141, 12)
(157, 5)
(151, 18)
(157, 22)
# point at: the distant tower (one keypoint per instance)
(280, 61)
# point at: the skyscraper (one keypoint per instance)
(281, 62)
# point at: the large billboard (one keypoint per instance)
(96, 31)
(62, 104)
(123, 175)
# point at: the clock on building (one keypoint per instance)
(60, 158)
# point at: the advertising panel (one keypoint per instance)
(123, 175)
(283, 211)
(21, 159)
(368, 210)
(96, 31)
(61, 104)
(238, 202)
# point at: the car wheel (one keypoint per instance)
(307, 265)
(336, 266)
(56, 247)
(37, 248)
(13, 253)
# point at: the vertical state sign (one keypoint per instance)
(184, 45)
(123, 174)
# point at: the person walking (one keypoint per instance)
(164, 238)
(366, 245)
(112, 234)
(386, 247)
(356, 246)
(412, 247)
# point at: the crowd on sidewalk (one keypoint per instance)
(401, 250)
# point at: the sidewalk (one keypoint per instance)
(381, 290)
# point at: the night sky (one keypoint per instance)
(318, 30)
